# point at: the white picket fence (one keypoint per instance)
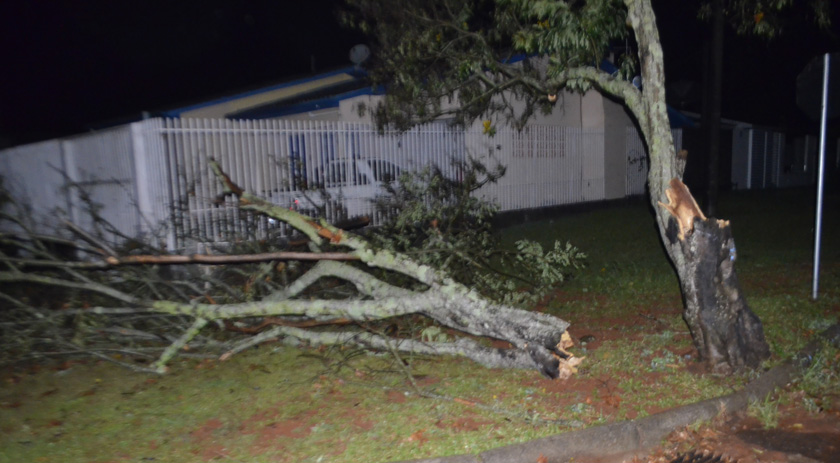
(151, 179)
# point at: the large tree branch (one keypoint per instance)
(380, 258)
(359, 310)
(364, 282)
(463, 347)
(604, 82)
(535, 336)
(654, 119)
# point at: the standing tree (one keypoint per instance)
(433, 51)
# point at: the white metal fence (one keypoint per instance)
(311, 166)
(151, 179)
(758, 158)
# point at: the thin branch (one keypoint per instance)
(265, 336)
(178, 344)
(205, 259)
(108, 358)
(96, 242)
(14, 277)
(228, 259)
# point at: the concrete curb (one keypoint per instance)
(636, 436)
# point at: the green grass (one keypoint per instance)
(765, 411)
(279, 403)
(774, 238)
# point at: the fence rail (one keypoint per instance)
(151, 179)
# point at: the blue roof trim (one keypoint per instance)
(516, 58)
(678, 119)
(315, 105)
(351, 70)
(608, 66)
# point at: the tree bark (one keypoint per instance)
(725, 332)
(713, 117)
(449, 303)
(536, 338)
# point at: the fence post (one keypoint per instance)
(143, 179)
(71, 195)
(71, 177)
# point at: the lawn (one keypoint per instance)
(278, 403)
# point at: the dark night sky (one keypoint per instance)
(70, 64)
(759, 75)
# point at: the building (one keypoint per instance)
(151, 178)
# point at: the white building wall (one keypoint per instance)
(741, 163)
(760, 160)
(34, 176)
(616, 123)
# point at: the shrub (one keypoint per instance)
(440, 221)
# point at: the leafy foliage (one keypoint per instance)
(768, 18)
(822, 379)
(440, 222)
(430, 52)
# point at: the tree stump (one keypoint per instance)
(726, 333)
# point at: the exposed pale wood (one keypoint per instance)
(682, 206)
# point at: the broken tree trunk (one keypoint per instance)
(726, 333)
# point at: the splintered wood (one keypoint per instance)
(682, 206)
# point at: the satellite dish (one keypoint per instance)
(359, 54)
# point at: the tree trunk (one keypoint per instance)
(725, 332)
(713, 118)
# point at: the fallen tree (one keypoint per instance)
(536, 338)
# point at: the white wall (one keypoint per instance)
(33, 175)
(605, 170)
(348, 109)
(616, 122)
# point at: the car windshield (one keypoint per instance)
(384, 171)
(343, 173)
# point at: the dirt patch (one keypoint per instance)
(463, 424)
(394, 396)
(207, 431)
(800, 437)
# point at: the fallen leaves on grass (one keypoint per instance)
(418, 437)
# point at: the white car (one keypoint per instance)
(346, 188)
